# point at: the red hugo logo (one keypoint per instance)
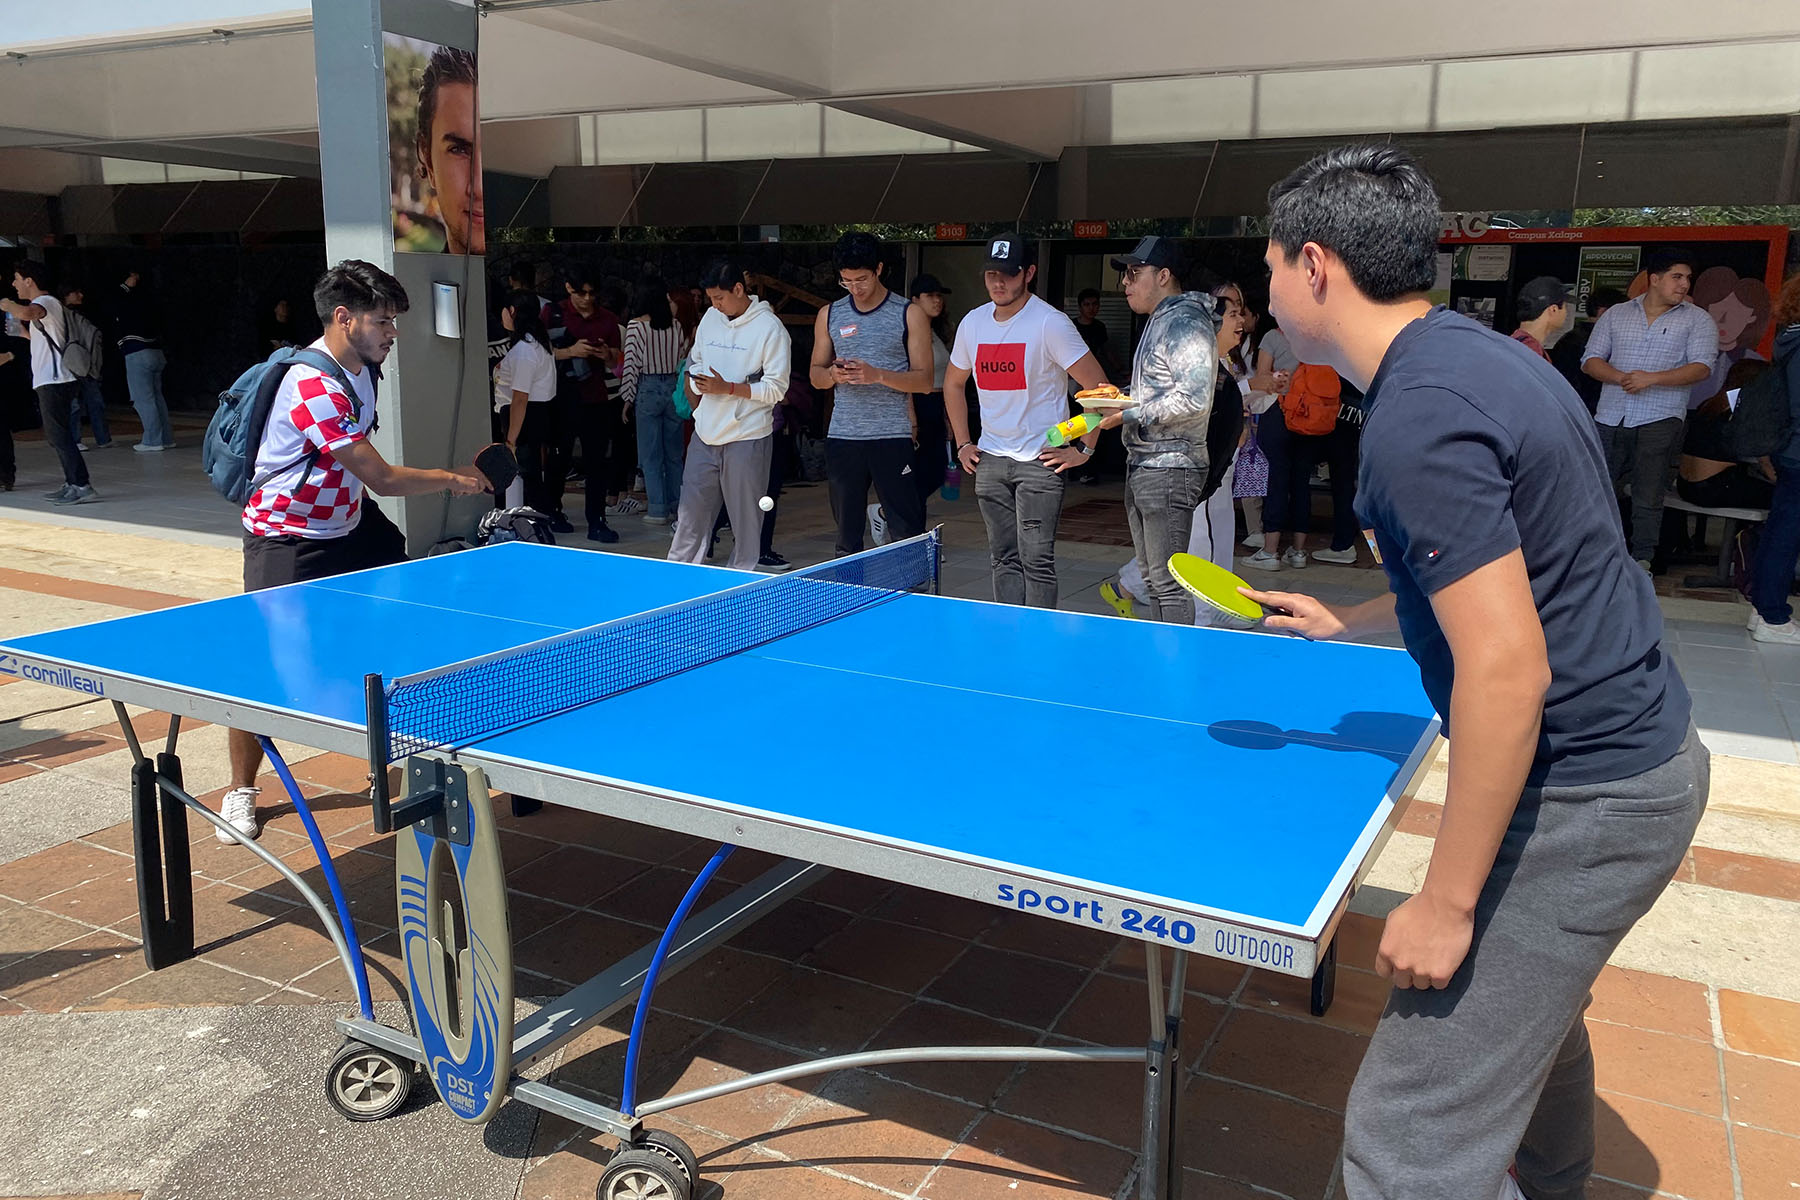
(1000, 366)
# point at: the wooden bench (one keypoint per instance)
(1733, 518)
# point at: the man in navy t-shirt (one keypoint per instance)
(1576, 779)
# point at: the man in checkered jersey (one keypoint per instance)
(309, 519)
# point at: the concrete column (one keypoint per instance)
(434, 395)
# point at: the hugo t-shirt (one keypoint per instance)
(1021, 369)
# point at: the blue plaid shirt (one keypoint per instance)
(1626, 339)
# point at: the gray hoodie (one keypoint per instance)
(1172, 377)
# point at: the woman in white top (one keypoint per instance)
(524, 385)
(931, 432)
(655, 344)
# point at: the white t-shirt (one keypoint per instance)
(311, 412)
(46, 364)
(1021, 368)
(528, 368)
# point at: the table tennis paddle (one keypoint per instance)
(1214, 585)
(497, 465)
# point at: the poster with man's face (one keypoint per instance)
(434, 147)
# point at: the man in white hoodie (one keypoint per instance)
(737, 372)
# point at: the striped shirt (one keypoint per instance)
(1626, 339)
(650, 352)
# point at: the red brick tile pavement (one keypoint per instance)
(863, 963)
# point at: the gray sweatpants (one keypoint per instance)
(736, 474)
(1495, 1070)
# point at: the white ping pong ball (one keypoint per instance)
(766, 504)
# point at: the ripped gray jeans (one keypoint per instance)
(1020, 502)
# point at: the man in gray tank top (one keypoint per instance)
(873, 348)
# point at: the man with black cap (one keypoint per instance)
(1543, 311)
(1020, 351)
(1172, 376)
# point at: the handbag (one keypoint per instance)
(1252, 477)
(684, 408)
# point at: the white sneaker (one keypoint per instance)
(877, 525)
(1294, 557)
(1262, 560)
(1252, 542)
(1342, 557)
(239, 810)
(1785, 634)
(626, 507)
(655, 520)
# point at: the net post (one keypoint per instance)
(937, 543)
(375, 699)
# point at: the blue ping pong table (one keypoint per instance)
(1214, 792)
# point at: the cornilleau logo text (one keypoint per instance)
(61, 677)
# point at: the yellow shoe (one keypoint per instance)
(1116, 597)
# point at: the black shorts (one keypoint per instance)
(282, 559)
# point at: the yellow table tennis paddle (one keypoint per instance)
(1214, 585)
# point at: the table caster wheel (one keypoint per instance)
(366, 1084)
(672, 1148)
(642, 1175)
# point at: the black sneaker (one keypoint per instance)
(560, 524)
(774, 562)
(602, 533)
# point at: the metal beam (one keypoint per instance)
(925, 125)
(745, 74)
(223, 154)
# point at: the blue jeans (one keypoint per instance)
(93, 405)
(658, 442)
(143, 373)
(1779, 548)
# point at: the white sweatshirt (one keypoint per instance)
(755, 347)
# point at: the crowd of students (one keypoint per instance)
(61, 339)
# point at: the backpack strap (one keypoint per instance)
(325, 364)
(45, 330)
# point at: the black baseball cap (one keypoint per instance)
(1152, 251)
(926, 283)
(1010, 253)
(1546, 291)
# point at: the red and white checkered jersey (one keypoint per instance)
(311, 412)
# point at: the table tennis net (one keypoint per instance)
(457, 705)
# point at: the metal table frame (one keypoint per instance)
(166, 916)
